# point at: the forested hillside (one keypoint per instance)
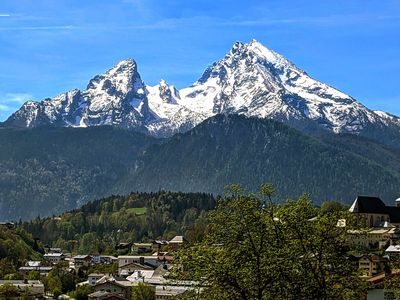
(52, 170)
(249, 151)
(47, 171)
(100, 225)
(16, 247)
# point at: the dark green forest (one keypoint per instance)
(16, 247)
(102, 224)
(249, 151)
(52, 170)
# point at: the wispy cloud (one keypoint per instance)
(5, 15)
(17, 98)
(334, 19)
(142, 7)
(5, 108)
(55, 27)
(170, 23)
(10, 101)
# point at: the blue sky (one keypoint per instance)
(47, 46)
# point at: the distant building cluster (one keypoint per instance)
(134, 269)
(152, 262)
(379, 232)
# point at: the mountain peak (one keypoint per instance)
(163, 82)
(236, 46)
(241, 50)
(127, 66)
(251, 80)
(121, 78)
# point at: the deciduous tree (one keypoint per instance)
(255, 249)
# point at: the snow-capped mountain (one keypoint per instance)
(250, 80)
(116, 98)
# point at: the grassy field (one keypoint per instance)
(137, 210)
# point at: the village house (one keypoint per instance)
(159, 245)
(123, 246)
(81, 261)
(140, 248)
(376, 286)
(35, 266)
(103, 295)
(96, 258)
(117, 286)
(174, 244)
(94, 277)
(370, 264)
(393, 251)
(54, 257)
(108, 259)
(376, 238)
(35, 287)
(130, 268)
(166, 292)
(151, 261)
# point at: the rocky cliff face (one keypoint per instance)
(251, 80)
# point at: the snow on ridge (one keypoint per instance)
(251, 80)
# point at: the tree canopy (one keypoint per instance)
(255, 249)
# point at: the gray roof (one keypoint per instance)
(81, 256)
(53, 254)
(177, 239)
(29, 268)
(95, 275)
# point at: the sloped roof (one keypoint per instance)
(33, 263)
(393, 248)
(53, 254)
(135, 276)
(386, 224)
(137, 266)
(84, 256)
(177, 239)
(104, 295)
(366, 204)
(374, 205)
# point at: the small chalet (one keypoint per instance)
(371, 264)
(54, 257)
(142, 248)
(94, 277)
(80, 261)
(130, 268)
(124, 262)
(35, 266)
(117, 286)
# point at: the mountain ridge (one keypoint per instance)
(250, 79)
(54, 169)
(229, 149)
